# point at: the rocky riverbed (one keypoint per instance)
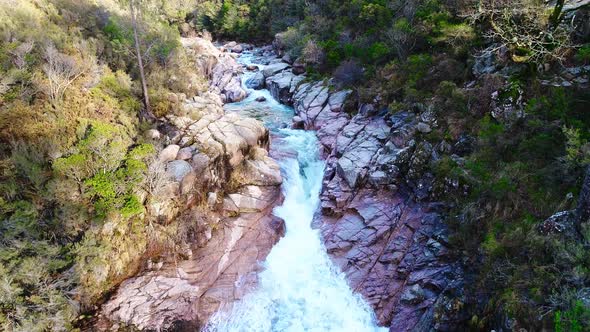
(377, 217)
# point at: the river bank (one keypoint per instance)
(375, 223)
(378, 215)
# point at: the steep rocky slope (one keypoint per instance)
(224, 186)
(376, 217)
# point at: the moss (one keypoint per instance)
(490, 244)
(574, 320)
(131, 206)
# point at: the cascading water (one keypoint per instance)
(299, 289)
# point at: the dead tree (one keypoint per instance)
(147, 114)
(61, 71)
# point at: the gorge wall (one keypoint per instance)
(376, 218)
(224, 186)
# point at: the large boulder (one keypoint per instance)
(249, 199)
(275, 68)
(237, 49)
(177, 169)
(298, 66)
(260, 170)
(200, 105)
(185, 153)
(282, 85)
(222, 69)
(255, 82)
(228, 136)
(169, 153)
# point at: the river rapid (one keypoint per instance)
(299, 288)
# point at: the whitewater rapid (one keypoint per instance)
(299, 289)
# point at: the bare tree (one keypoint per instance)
(134, 11)
(526, 28)
(61, 71)
(402, 37)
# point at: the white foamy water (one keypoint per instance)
(300, 289)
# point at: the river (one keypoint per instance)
(299, 289)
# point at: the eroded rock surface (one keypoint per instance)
(219, 185)
(187, 292)
(375, 218)
(221, 68)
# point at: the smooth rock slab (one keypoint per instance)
(273, 69)
(250, 199)
(152, 302)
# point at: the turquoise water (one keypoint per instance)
(300, 289)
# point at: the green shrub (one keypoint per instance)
(501, 187)
(22, 221)
(577, 319)
(417, 66)
(375, 16)
(583, 53)
(101, 148)
(117, 84)
(451, 99)
(294, 41)
(157, 41)
(113, 191)
(102, 189)
(74, 166)
(30, 298)
(131, 206)
(428, 8)
(490, 244)
(378, 52)
(353, 51)
(577, 149)
(109, 171)
(490, 128)
(334, 53)
(205, 15)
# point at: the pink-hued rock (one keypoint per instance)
(392, 250)
(229, 235)
(169, 153)
(222, 70)
(187, 292)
